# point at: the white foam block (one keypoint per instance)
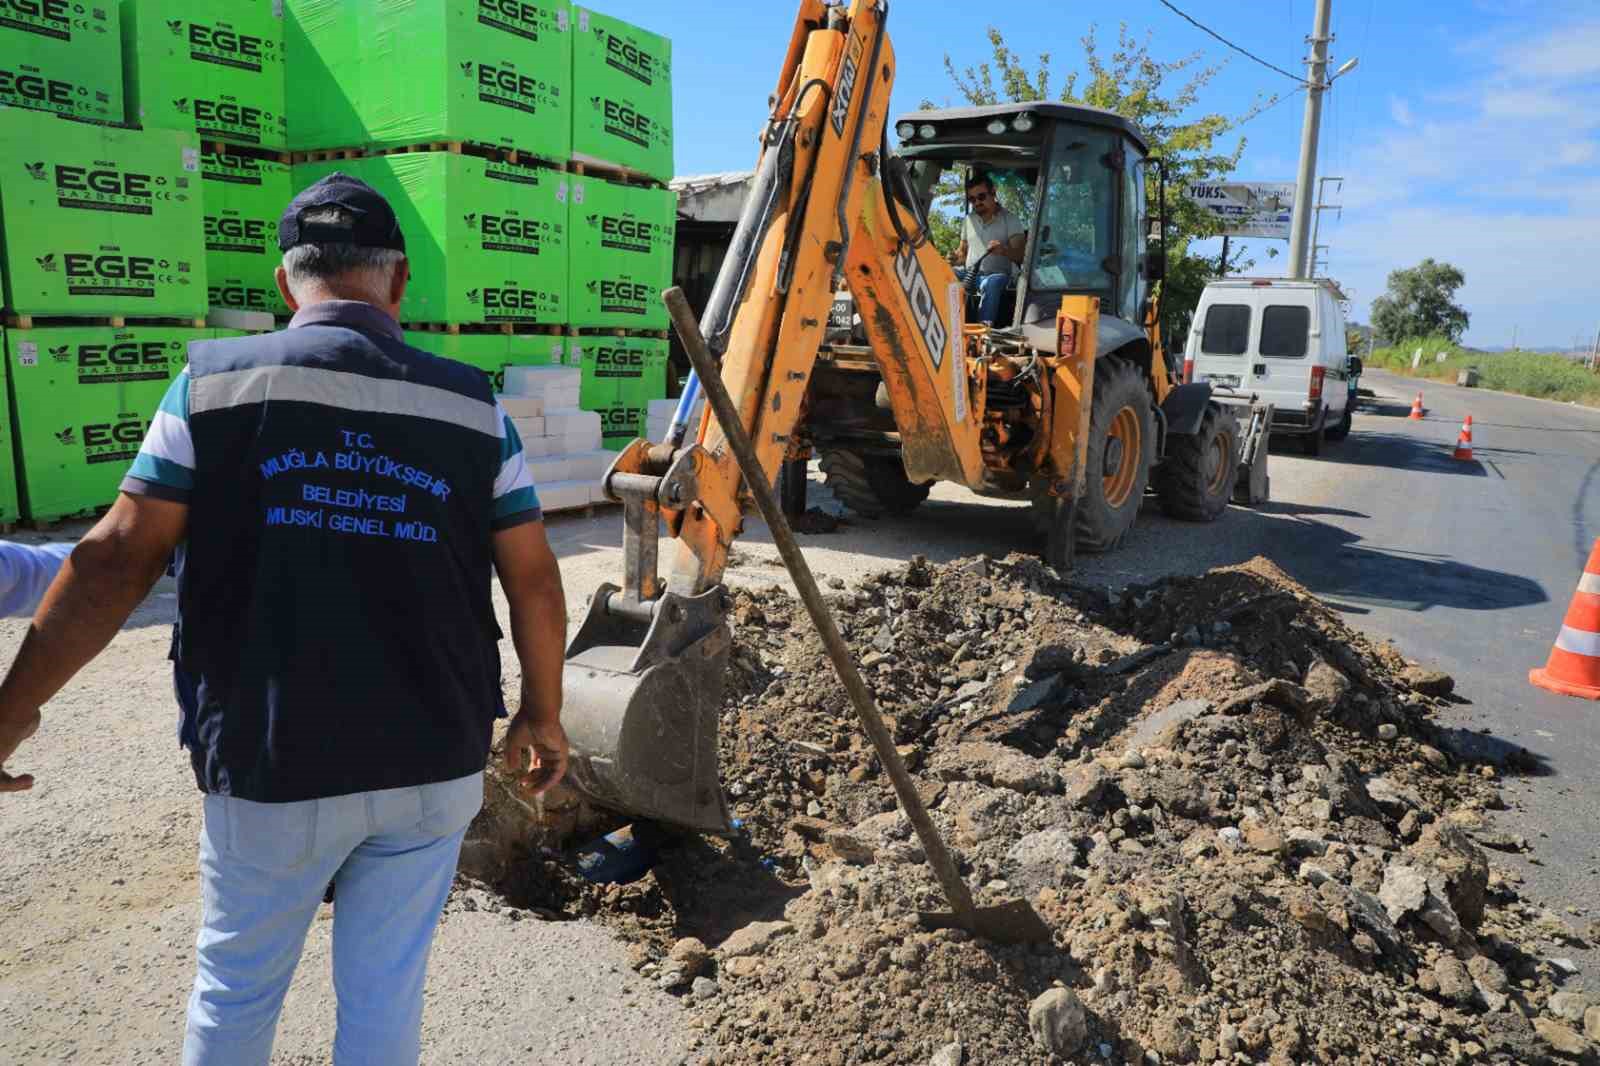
(528, 427)
(539, 380)
(565, 421)
(564, 495)
(590, 464)
(550, 468)
(534, 447)
(523, 406)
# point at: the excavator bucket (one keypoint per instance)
(642, 695)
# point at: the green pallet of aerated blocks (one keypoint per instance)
(82, 400)
(244, 197)
(99, 220)
(622, 89)
(487, 240)
(214, 68)
(9, 502)
(378, 73)
(622, 241)
(62, 56)
(620, 376)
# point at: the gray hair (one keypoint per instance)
(349, 266)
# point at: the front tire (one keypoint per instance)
(871, 485)
(1196, 481)
(1122, 440)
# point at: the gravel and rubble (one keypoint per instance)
(1250, 840)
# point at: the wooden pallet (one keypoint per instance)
(609, 331)
(15, 321)
(272, 155)
(590, 168)
(518, 329)
(498, 153)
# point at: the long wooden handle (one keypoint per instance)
(705, 367)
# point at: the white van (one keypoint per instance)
(1281, 341)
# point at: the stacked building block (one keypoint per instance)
(622, 241)
(10, 503)
(62, 57)
(561, 440)
(381, 73)
(622, 81)
(658, 419)
(244, 195)
(214, 69)
(620, 376)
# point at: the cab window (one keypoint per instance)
(1285, 330)
(1227, 330)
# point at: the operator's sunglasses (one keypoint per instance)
(978, 197)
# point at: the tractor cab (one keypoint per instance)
(1073, 177)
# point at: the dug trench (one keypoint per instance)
(1250, 839)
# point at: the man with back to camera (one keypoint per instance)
(993, 242)
(336, 500)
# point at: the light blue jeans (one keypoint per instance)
(264, 867)
(991, 290)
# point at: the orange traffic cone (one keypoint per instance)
(1574, 666)
(1464, 441)
(1416, 409)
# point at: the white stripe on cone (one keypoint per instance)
(1579, 641)
(1589, 583)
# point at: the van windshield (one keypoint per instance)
(1227, 330)
(1284, 331)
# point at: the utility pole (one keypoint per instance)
(1222, 270)
(1316, 85)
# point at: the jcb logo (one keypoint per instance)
(37, 89)
(506, 81)
(214, 39)
(133, 353)
(924, 309)
(211, 112)
(103, 182)
(254, 230)
(110, 267)
(238, 297)
(847, 86)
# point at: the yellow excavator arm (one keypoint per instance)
(644, 678)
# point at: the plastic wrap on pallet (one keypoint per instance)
(622, 87)
(9, 502)
(84, 399)
(487, 240)
(244, 197)
(622, 240)
(214, 68)
(621, 375)
(100, 220)
(378, 73)
(62, 57)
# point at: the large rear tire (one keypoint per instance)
(871, 485)
(1196, 481)
(1122, 443)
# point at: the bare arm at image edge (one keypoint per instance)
(536, 745)
(105, 578)
(26, 570)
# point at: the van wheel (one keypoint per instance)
(1340, 430)
(1196, 480)
(1122, 438)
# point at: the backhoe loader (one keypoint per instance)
(1072, 405)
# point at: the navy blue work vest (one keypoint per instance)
(336, 629)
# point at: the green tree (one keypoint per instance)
(1420, 302)
(1160, 97)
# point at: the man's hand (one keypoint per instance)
(12, 733)
(536, 753)
(997, 246)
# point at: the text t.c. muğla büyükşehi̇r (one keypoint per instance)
(357, 511)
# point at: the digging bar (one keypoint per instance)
(1010, 922)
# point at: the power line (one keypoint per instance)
(1268, 106)
(1249, 55)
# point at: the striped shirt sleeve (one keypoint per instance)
(164, 467)
(515, 499)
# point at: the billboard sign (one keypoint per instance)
(1247, 208)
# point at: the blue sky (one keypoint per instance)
(1469, 132)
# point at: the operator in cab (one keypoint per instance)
(992, 244)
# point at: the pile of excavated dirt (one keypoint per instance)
(1248, 837)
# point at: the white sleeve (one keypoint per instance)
(26, 571)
